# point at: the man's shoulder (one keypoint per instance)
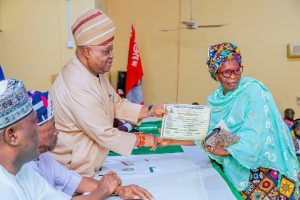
(45, 158)
(73, 72)
(71, 79)
(27, 171)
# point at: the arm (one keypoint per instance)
(39, 187)
(87, 184)
(63, 179)
(96, 195)
(125, 192)
(134, 112)
(170, 142)
(104, 188)
(217, 150)
(98, 125)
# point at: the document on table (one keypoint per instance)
(185, 122)
(134, 165)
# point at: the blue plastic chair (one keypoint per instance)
(2, 77)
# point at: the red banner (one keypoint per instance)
(134, 71)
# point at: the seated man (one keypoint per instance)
(289, 114)
(296, 136)
(19, 143)
(58, 175)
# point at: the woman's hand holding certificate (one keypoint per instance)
(185, 122)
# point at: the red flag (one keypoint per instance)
(134, 72)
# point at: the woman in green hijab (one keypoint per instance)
(262, 164)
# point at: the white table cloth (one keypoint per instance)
(172, 176)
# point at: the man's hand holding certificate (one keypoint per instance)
(185, 122)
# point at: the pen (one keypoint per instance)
(125, 163)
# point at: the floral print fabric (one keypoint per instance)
(268, 184)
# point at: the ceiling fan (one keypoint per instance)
(191, 24)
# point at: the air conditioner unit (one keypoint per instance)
(293, 50)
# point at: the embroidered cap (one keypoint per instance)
(43, 106)
(14, 102)
(93, 27)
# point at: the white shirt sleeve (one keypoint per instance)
(57, 174)
(27, 184)
(44, 191)
(8, 192)
(66, 180)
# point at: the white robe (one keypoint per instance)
(27, 184)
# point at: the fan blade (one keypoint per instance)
(173, 29)
(188, 23)
(211, 26)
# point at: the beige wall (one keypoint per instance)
(33, 40)
(159, 52)
(174, 62)
(1, 26)
(33, 43)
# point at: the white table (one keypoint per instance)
(175, 176)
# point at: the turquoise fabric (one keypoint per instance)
(250, 112)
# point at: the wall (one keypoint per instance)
(158, 51)
(174, 62)
(33, 40)
(1, 26)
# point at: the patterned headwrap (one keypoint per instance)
(14, 102)
(219, 53)
(296, 123)
(43, 106)
(93, 27)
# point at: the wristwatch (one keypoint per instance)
(150, 111)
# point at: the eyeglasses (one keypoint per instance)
(107, 51)
(227, 73)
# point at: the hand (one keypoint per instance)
(158, 110)
(150, 142)
(217, 150)
(133, 192)
(109, 182)
(161, 142)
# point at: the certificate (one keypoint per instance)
(185, 122)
